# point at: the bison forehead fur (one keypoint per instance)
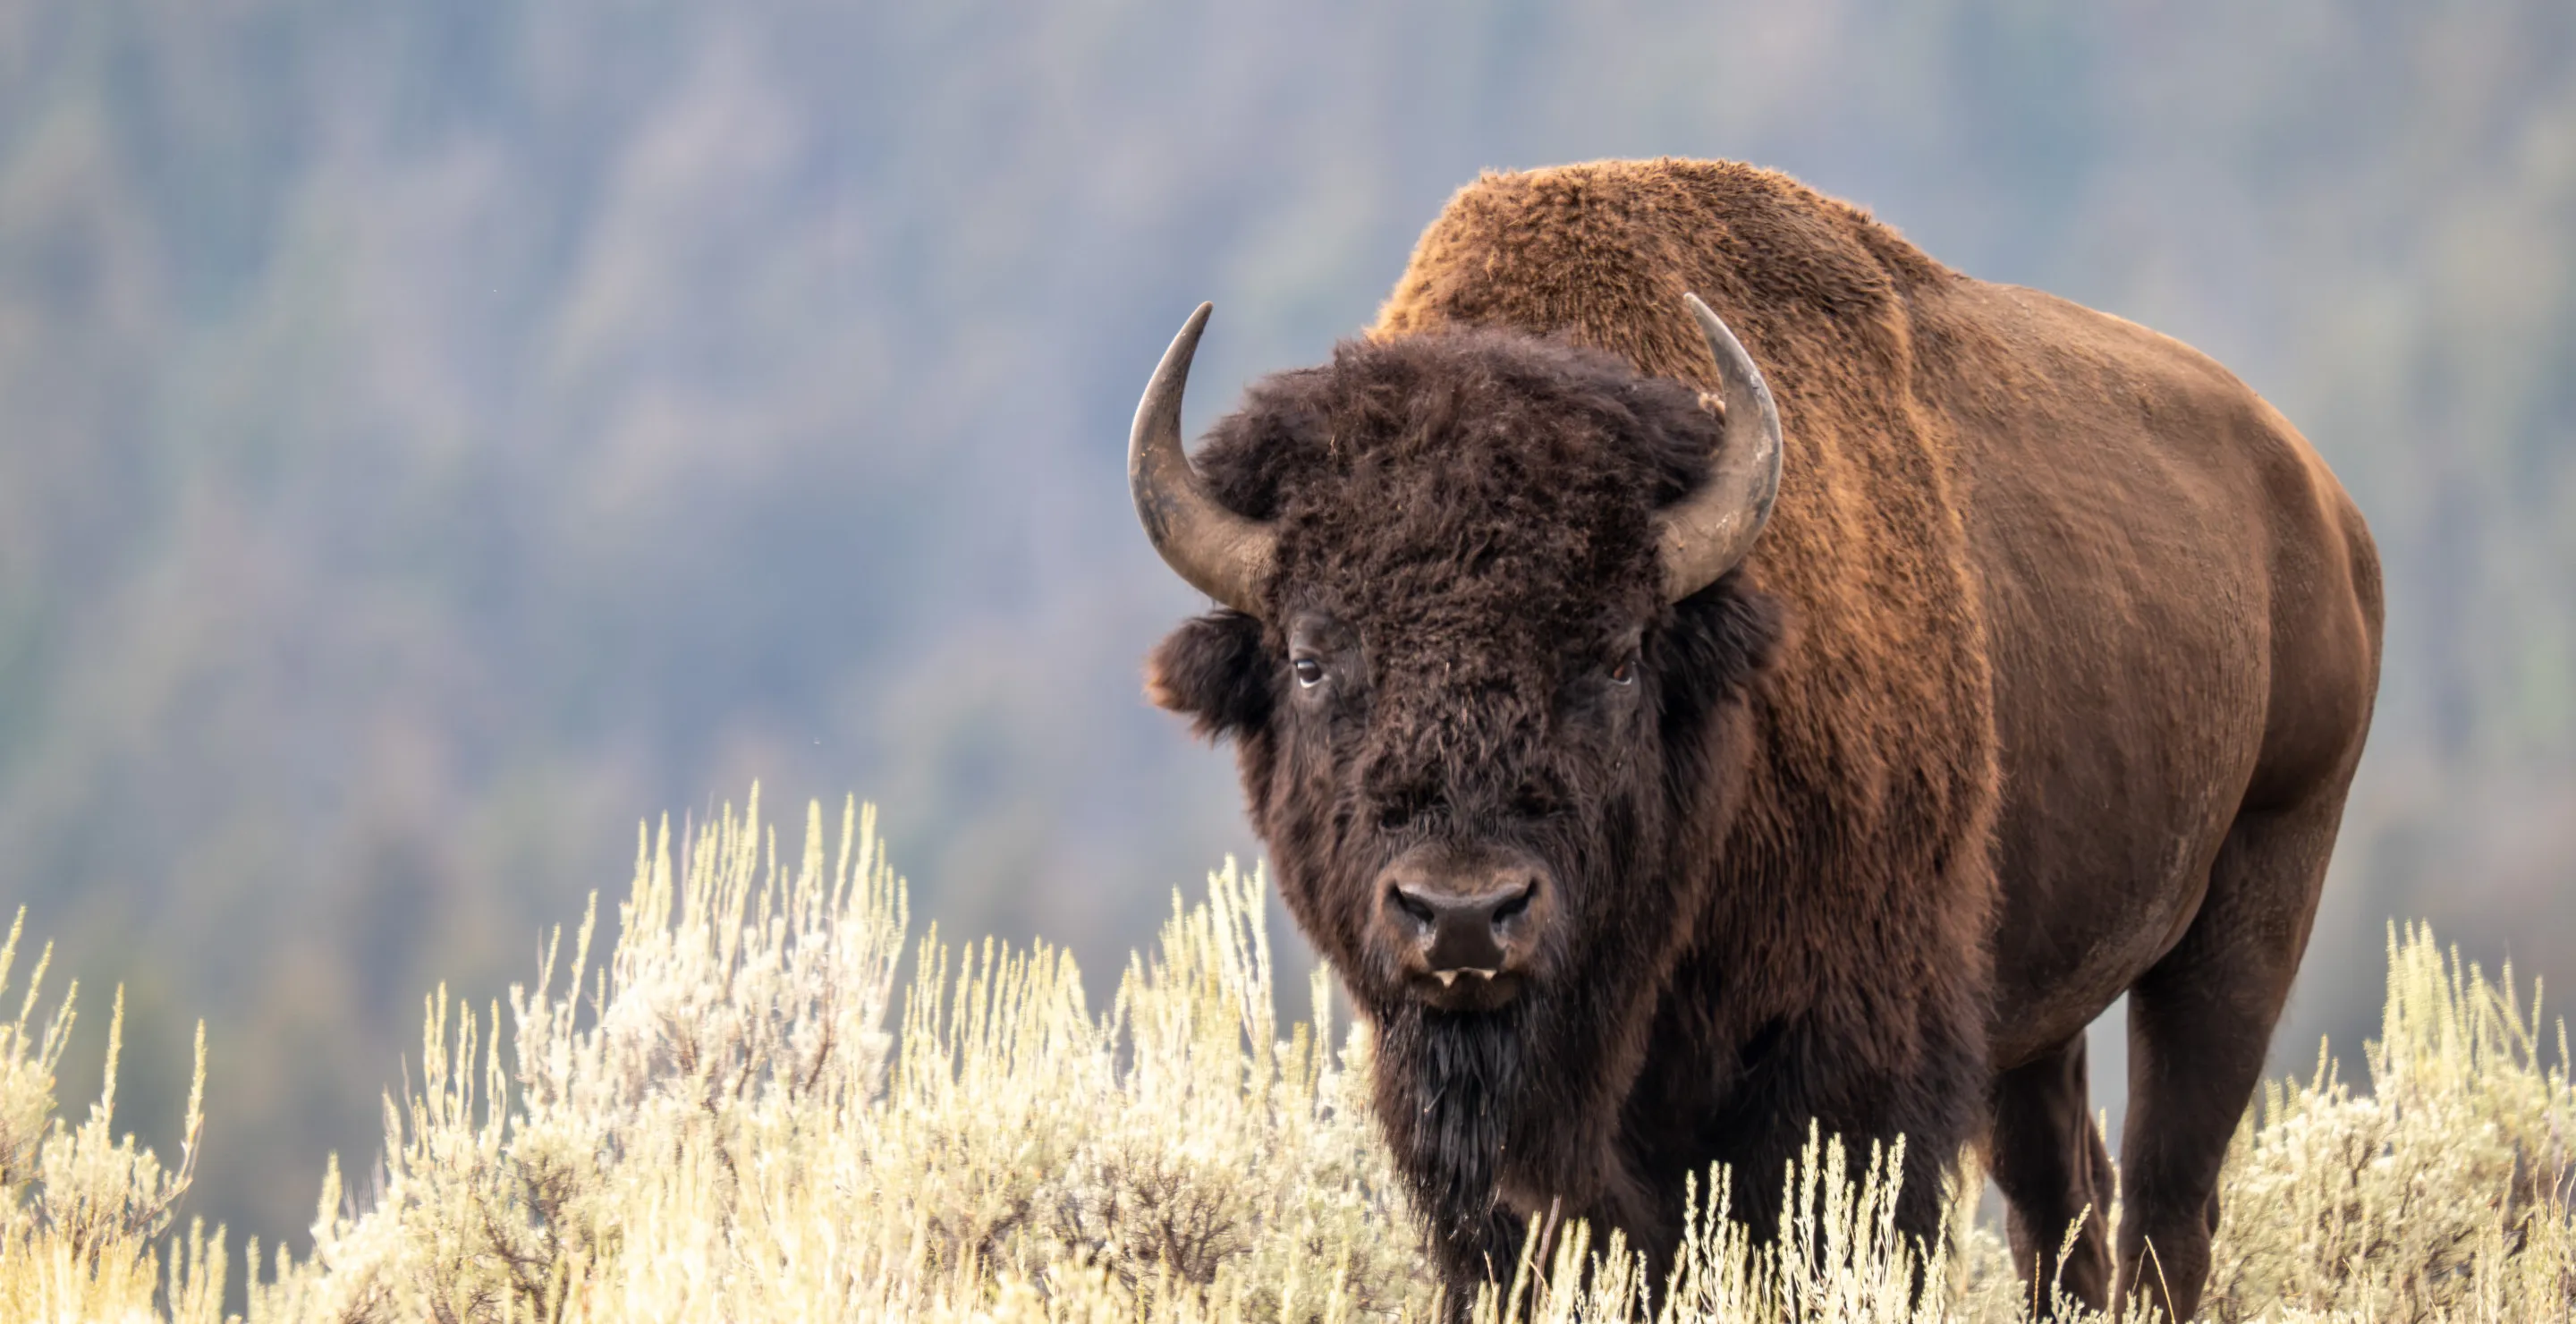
(1475, 510)
(2044, 682)
(1451, 472)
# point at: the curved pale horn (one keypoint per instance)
(1709, 532)
(1220, 553)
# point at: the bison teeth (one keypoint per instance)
(1446, 977)
(1449, 977)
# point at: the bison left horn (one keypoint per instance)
(1711, 531)
(1220, 553)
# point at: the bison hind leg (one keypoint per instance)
(2048, 1160)
(2200, 1022)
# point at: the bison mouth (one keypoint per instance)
(1466, 990)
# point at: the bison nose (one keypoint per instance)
(1461, 921)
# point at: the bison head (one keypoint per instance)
(1483, 657)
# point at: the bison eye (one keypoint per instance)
(1626, 672)
(1310, 673)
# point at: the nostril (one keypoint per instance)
(1462, 910)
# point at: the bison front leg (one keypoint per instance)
(1933, 1119)
(2048, 1159)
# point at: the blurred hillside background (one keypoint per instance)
(433, 435)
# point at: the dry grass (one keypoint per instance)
(727, 1119)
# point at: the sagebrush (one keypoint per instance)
(729, 1118)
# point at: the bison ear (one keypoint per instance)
(1214, 670)
(1722, 637)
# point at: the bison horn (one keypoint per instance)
(1709, 533)
(1220, 553)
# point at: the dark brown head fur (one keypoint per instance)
(1465, 553)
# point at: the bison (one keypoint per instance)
(1680, 721)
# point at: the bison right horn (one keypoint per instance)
(1711, 531)
(1220, 553)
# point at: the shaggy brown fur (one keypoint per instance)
(2044, 682)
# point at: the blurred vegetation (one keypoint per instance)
(428, 430)
(715, 1122)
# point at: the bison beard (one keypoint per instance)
(2044, 682)
(1449, 1090)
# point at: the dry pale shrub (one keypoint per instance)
(729, 1119)
(717, 1124)
(81, 1209)
(2443, 1193)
